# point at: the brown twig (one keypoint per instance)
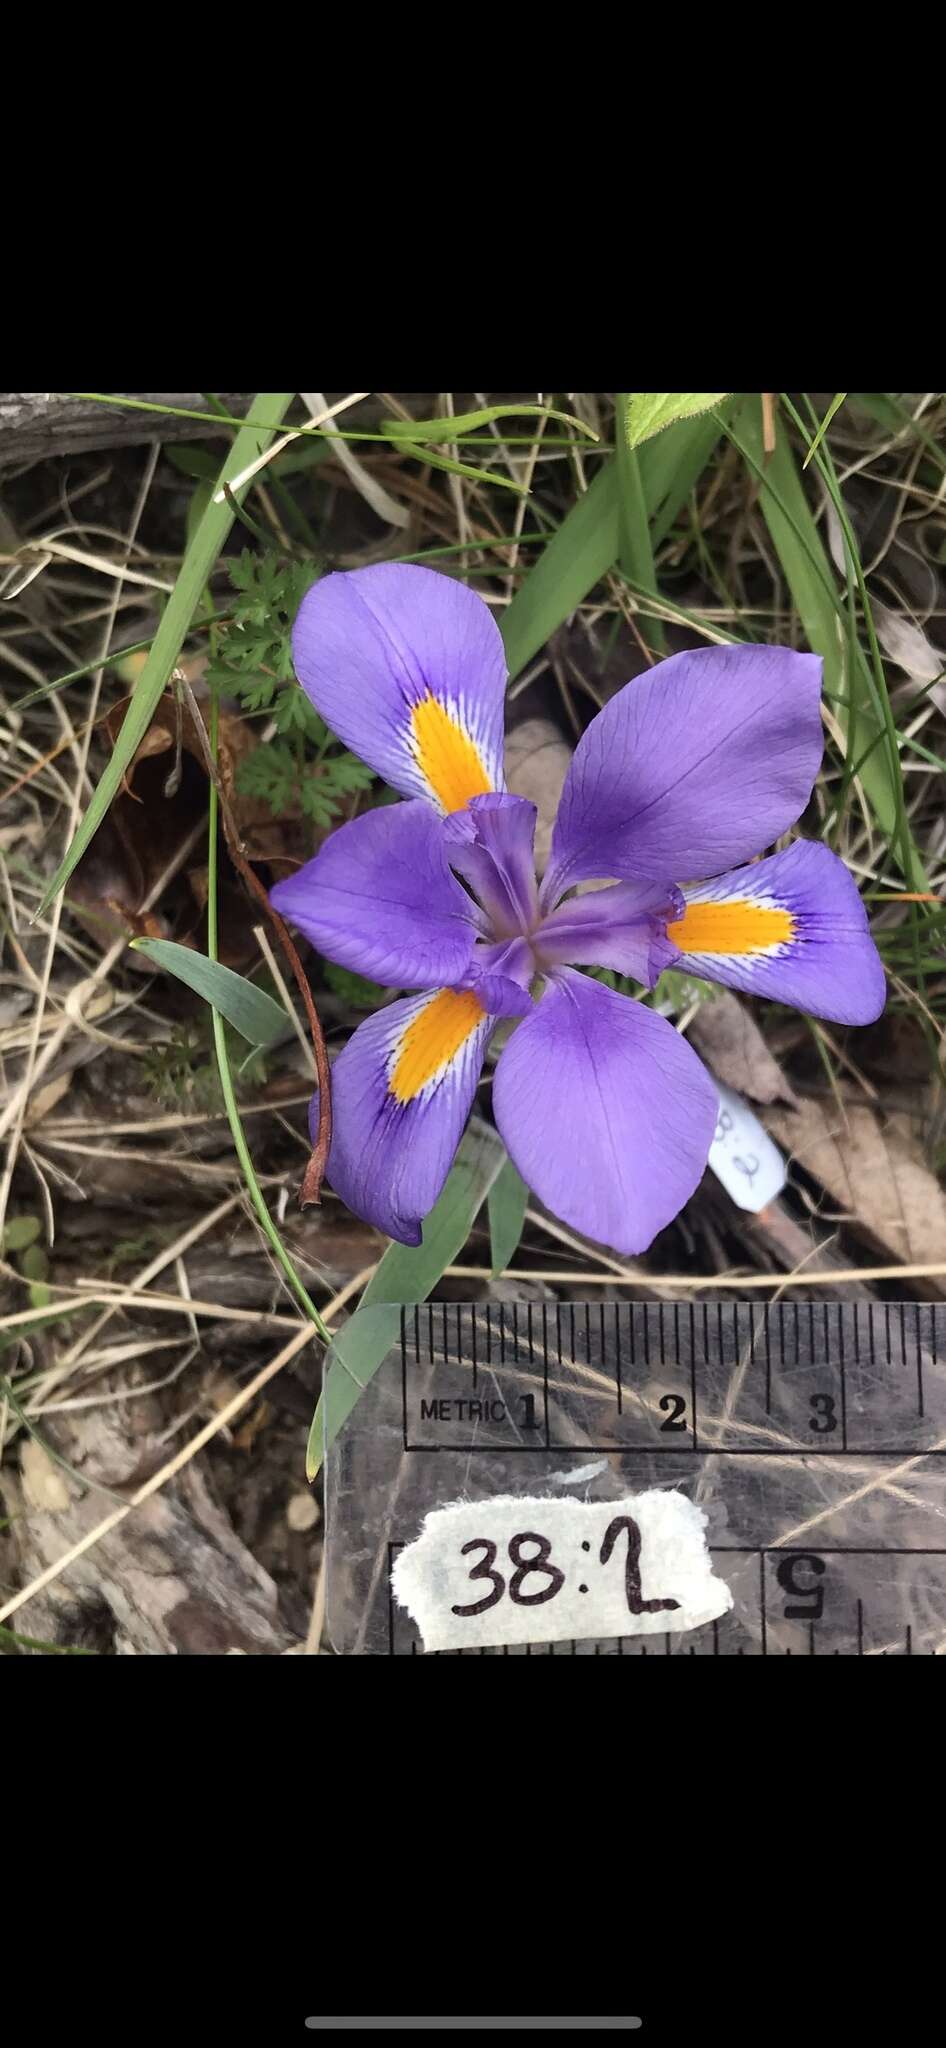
(310, 1190)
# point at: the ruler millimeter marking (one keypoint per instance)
(739, 1380)
(404, 1641)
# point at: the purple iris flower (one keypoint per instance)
(688, 771)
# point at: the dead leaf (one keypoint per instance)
(161, 803)
(46, 1099)
(43, 1484)
(172, 731)
(801, 1247)
(729, 1039)
(537, 761)
(907, 644)
(874, 1171)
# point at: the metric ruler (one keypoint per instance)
(812, 1434)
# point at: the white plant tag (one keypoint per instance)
(743, 1156)
(532, 1570)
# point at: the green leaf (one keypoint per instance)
(246, 1007)
(19, 1232)
(192, 460)
(811, 580)
(466, 422)
(198, 562)
(405, 1274)
(507, 1201)
(586, 544)
(635, 548)
(578, 555)
(9, 1635)
(671, 467)
(479, 476)
(34, 1265)
(353, 988)
(199, 500)
(835, 406)
(648, 412)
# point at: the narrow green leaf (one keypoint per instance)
(671, 467)
(198, 562)
(835, 406)
(809, 575)
(352, 1361)
(578, 555)
(9, 1635)
(895, 419)
(200, 498)
(648, 412)
(405, 1274)
(234, 1119)
(585, 546)
(507, 1201)
(479, 476)
(247, 1008)
(466, 422)
(635, 549)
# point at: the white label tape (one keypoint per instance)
(742, 1155)
(532, 1570)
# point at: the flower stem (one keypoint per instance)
(226, 1078)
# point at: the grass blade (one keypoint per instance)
(635, 548)
(671, 467)
(405, 1274)
(479, 476)
(585, 546)
(251, 1012)
(466, 422)
(579, 554)
(9, 1635)
(810, 578)
(196, 567)
(231, 1106)
(835, 406)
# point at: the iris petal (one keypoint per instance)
(617, 927)
(491, 845)
(792, 928)
(407, 667)
(501, 975)
(605, 1110)
(380, 899)
(402, 1090)
(699, 764)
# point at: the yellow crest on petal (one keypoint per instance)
(432, 1039)
(739, 926)
(446, 756)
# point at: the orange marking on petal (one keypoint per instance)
(451, 763)
(432, 1040)
(736, 927)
